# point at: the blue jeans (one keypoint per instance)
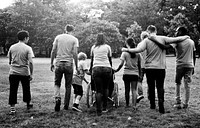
(186, 73)
(101, 77)
(66, 69)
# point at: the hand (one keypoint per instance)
(52, 68)
(31, 77)
(124, 49)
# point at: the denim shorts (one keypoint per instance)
(183, 72)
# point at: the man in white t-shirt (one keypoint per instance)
(21, 69)
(65, 47)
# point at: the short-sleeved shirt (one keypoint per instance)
(64, 45)
(78, 78)
(185, 53)
(131, 64)
(100, 55)
(155, 57)
(20, 53)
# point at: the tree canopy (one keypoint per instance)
(117, 19)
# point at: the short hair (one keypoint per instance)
(69, 28)
(144, 35)
(151, 28)
(21, 35)
(183, 30)
(82, 56)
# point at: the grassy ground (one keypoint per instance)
(43, 115)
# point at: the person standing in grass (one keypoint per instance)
(140, 96)
(132, 69)
(185, 63)
(21, 70)
(65, 47)
(78, 79)
(101, 65)
(155, 64)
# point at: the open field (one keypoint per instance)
(43, 115)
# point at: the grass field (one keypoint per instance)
(43, 115)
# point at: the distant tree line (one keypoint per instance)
(117, 19)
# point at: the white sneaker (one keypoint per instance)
(76, 109)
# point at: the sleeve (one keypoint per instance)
(122, 56)
(55, 43)
(9, 52)
(76, 43)
(30, 53)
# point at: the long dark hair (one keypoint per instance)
(100, 40)
(131, 42)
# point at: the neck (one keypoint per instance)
(21, 41)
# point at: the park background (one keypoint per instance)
(117, 19)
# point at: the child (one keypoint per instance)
(131, 72)
(78, 79)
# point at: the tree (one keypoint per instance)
(87, 33)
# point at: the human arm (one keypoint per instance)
(120, 65)
(139, 64)
(170, 40)
(53, 54)
(30, 56)
(110, 56)
(75, 57)
(9, 57)
(161, 46)
(141, 47)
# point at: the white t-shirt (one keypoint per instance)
(101, 54)
(78, 78)
(64, 45)
(20, 54)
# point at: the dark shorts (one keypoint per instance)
(78, 89)
(130, 78)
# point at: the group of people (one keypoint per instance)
(148, 57)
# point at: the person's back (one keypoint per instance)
(101, 55)
(65, 46)
(20, 63)
(185, 54)
(155, 57)
(131, 64)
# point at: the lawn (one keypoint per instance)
(43, 115)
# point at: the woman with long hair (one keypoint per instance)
(101, 66)
(132, 65)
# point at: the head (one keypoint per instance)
(181, 31)
(144, 35)
(151, 29)
(69, 28)
(23, 36)
(82, 56)
(100, 39)
(130, 43)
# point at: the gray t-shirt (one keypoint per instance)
(184, 52)
(20, 54)
(64, 45)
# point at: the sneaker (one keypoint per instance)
(76, 109)
(57, 106)
(185, 106)
(29, 106)
(12, 111)
(104, 110)
(178, 106)
(139, 98)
